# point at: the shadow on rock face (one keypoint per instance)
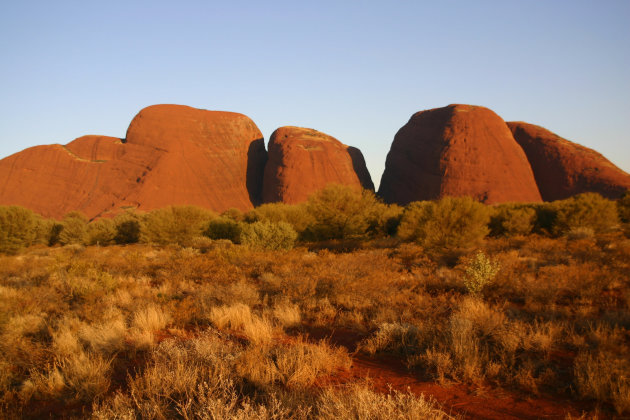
(358, 164)
(256, 160)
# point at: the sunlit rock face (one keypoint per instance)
(172, 155)
(457, 150)
(303, 161)
(563, 168)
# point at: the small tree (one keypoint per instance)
(341, 212)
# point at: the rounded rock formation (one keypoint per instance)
(563, 168)
(173, 155)
(303, 161)
(92, 174)
(457, 150)
(211, 159)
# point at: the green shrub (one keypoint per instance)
(546, 214)
(268, 235)
(175, 224)
(450, 223)
(587, 210)
(480, 272)
(511, 220)
(44, 230)
(128, 228)
(18, 228)
(384, 219)
(341, 212)
(294, 214)
(224, 228)
(75, 229)
(623, 207)
(413, 220)
(101, 232)
(234, 214)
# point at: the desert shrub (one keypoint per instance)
(128, 228)
(43, 229)
(392, 219)
(18, 228)
(202, 243)
(75, 229)
(127, 232)
(233, 214)
(480, 272)
(101, 232)
(224, 228)
(545, 219)
(54, 232)
(511, 220)
(294, 214)
(452, 222)
(341, 212)
(588, 210)
(268, 235)
(384, 219)
(415, 216)
(175, 224)
(623, 207)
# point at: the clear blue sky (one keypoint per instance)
(356, 70)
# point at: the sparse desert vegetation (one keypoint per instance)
(301, 312)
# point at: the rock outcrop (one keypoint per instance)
(178, 155)
(457, 150)
(173, 155)
(563, 168)
(302, 161)
(211, 159)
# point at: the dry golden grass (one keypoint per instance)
(162, 332)
(294, 365)
(358, 402)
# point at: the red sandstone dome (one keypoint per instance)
(457, 150)
(173, 155)
(563, 168)
(302, 161)
(211, 159)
